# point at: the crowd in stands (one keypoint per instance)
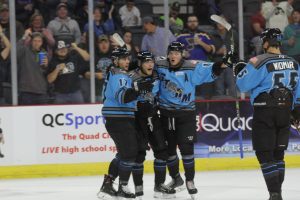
(53, 44)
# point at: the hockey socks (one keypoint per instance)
(281, 168)
(189, 166)
(173, 166)
(137, 174)
(113, 167)
(125, 169)
(271, 175)
(160, 171)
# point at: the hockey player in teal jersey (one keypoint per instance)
(179, 78)
(273, 82)
(119, 105)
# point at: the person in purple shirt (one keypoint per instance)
(197, 44)
(101, 26)
(154, 38)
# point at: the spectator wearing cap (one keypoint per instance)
(63, 27)
(24, 10)
(65, 69)
(101, 26)
(155, 37)
(36, 24)
(5, 47)
(175, 23)
(4, 22)
(102, 62)
(130, 14)
(291, 36)
(32, 82)
(48, 8)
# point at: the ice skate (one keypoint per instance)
(275, 196)
(107, 191)
(139, 192)
(191, 189)
(163, 192)
(124, 193)
(177, 183)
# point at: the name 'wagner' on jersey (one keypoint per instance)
(268, 71)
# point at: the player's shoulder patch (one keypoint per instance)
(162, 62)
(134, 75)
(188, 65)
(116, 70)
(258, 61)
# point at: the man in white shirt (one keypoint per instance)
(130, 14)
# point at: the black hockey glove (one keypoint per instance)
(143, 87)
(295, 118)
(230, 58)
(238, 67)
(217, 69)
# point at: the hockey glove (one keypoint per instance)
(217, 69)
(238, 67)
(230, 58)
(143, 87)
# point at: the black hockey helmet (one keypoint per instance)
(175, 46)
(120, 52)
(144, 56)
(272, 35)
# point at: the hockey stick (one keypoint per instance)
(117, 38)
(228, 27)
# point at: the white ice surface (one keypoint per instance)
(220, 185)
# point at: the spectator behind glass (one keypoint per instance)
(176, 24)
(130, 14)
(127, 37)
(101, 26)
(63, 27)
(82, 15)
(24, 9)
(4, 67)
(48, 8)
(102, 62)
(154, 38)
(257, 25)
(32, 83)
(225, 83)
(4, 22)
(64, 70)
(36, 24)
(277, 13)
(291, 36)
(198, 45)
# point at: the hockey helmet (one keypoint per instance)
(120, 52)
(272, 35)
(144, 56)
(176, 46)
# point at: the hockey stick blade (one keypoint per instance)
(118, 39)
(221, 20)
